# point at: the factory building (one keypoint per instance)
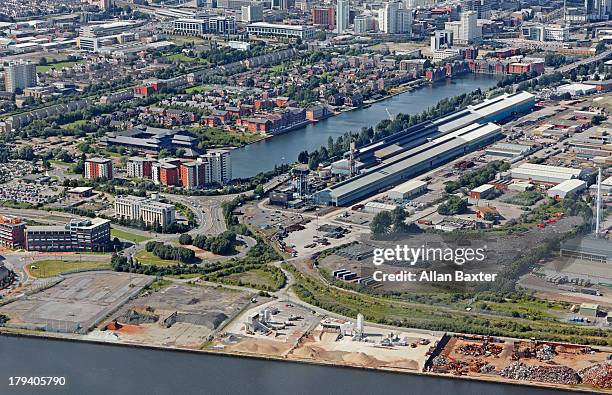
(508, 150)
(77, 235)
(425, 146)
(411, 163)
(544, 173)
(565, 188)
(482, 192)
(606, 186)
(407, 190)
(377, 207)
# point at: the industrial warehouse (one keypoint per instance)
(424, 147)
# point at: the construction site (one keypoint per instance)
(76, 303)
(176, 315)
(523, 360)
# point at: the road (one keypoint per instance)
(596, 58)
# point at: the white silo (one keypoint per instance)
(359, 328)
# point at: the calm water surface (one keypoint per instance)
(263, 155)
(105, 369)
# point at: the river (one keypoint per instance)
(263, 155)
(105, 369)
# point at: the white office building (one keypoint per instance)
(394, 19)
(342, 16)
(252, 13)
(465, 31)
(304, 32)
(149, 211)
(204, 25)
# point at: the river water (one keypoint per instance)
(263, 155)
(105, 369)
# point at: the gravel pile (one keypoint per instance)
(546, 374)
(599, 375)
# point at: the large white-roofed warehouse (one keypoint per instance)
(544, 173)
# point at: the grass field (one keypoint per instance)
(180, 40)
(255, 277)
(184, 276)
(57, 66)
(51, 268)
(134, 238)
(147, 258)
(74, 125)
(197, 89)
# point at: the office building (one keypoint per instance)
(342, 15)
(303, 32)
(19, 75)
(325, 17)
(102, 4)
(465, 30)
(362, 24)
(86, 235)
(12, 232)
(598, 10)
(252, 13)
(205, 25)
(441, 39)
(151, 212)
(481, 7)
(393, 19)
(139, 167)
(93, 37)
(539, 32)
(387, 17)
(98, 168)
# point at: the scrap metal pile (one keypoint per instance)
(546, 374)
(599, 375)
(546, 352)
(477, 350)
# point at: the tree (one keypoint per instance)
(185, 239)
(381, 224)
(399, 219)
(453, 205)
(303, 157)
(259, 190)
